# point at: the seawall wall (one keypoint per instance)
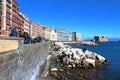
(25, 63)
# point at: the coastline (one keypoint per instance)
(70, 42)
(87, 43)
(46, 69)
(45, 72)
(53, 73)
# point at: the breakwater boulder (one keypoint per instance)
(75, 57)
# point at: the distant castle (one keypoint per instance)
(100, 38)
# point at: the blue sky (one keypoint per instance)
(89, 17)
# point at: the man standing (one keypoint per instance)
(14, 32)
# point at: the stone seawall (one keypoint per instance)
(25, 63)
(10, 43)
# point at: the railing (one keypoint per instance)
(8, 4)
(9, 1)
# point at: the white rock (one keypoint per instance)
(78, 56)
(67, 52)
(75, 56)
(59, 44)
(101, 59)
(86, 62)
(54, 69)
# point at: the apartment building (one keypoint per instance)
(76, 36)
(62, 34)
(53, 36)
(25, 23)
(9, 16)
(46, 31)
(35, 29)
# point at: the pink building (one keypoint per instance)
(35, 29)
(9, 16)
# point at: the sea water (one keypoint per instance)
(111, 51)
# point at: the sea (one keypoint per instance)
(111, 51)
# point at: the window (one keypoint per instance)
(8, 21)
(0, 1)
(0, 21)
(9, 5)
(8, 15)
(0, 7)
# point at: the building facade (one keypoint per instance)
(16, 19)
(100, 38)
(76, 36)
(47, 28)
(62, 34)
(35, 29)
(25, 23)
(6, 16)
(70, 37)
(53, 36)
(46, 31)
(9, 16)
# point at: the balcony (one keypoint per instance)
(9, 5)
(16, 21)
(14, 2)
(9, 1)
(0, 2)
(15, 6)
(0, 27)
(15, 24)
(0, 8)
(8, 23)
(0, 13)
(0, 22)
(14, 10)
(8, 17)
(8, 11)
(16, 16)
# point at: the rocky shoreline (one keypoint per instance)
(75, 57)
(89, 43)
(66, 60)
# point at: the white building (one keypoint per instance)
(46, 34)
(76, 36)
(25, 22)
(70, 37)
(46, 31)
(53, 36)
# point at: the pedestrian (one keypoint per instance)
(20, 34)
(39, 39)
(13, 32)
(27, 38)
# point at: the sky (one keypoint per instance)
(89, 17)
